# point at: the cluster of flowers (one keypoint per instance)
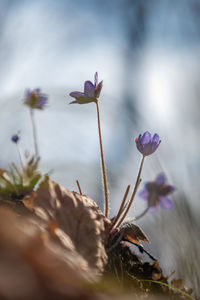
(156, 192)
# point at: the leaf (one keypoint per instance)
(33, 265)
(35, 180)
(134, 233)
(78, 216)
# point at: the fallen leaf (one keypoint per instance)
(33, 266)
(134, 233)
(78, 216)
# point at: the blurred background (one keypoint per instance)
(148, 55)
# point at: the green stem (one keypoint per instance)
(133, 194)
(34, 133)
(169, 286)
(102, 161)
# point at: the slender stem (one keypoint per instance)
(102, 161)
(79, 188)
(34, 132)
(142, 214)
(125, 206)
(121, 207)
(20, 155)
(134, 192)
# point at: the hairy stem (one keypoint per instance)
(102, 161)
(34, 132)
(121, 207)
(79, 187)
(133, 194)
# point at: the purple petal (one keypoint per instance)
(144, 194)
(146, 138)
(95, 79)
(153, 209)
(77, 94)
(172, 188)
(156, 138)
(89, 89)
(166, 202)
(154, 146)
(166, 189)
(148, 149)
(160, 179)
(98, 89)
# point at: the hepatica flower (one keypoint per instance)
(91, 92)
(35, 99)
(147, 144)
(157, 192)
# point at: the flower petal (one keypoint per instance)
(77, 94)
(153, 209)
(146, 138)
(166, 202)
(154, 146)
(98, 89)
(166, 189)
(172, 188)
(155, 138)
(89, 89)
(144, 194)
(96, 79)
(161, 179)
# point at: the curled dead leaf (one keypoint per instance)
(134, 233)
(78, 216)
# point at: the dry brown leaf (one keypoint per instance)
(78, 216)
(134, 233)
(33, 266)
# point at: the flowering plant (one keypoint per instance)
(157, 193)
(70, 232)
(91, 92)
(35, 99)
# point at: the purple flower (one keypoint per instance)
(91, 92)
(147, 144)
(15, 138)
(35, 99)
(156, 193)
